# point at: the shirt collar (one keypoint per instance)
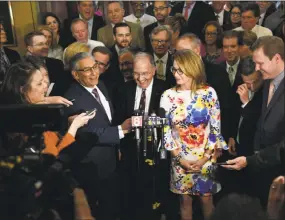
(233, 66)
(113, 25)
(90, 89)
(277, 80)
(149, 88)
(164, 58)
(220, 14)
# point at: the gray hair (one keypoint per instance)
(159, 29)
(192, 38)
(142, 55)
(126, 50)
(77, 20)
(76, 58)
(120, 2)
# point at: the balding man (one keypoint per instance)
(143, 93)
(217, 77)
(115, 14)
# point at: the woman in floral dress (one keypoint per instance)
(193, 134)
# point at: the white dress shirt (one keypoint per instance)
(147, 95)
(261, 18)
(90, 25)
(258, 30)
(189, 10)
(221, 17)
(145, 20)
(233, 74)
(164, 60)
(106, 107)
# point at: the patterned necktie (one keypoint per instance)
(142, 101)
(231, 75)
(186, 11)
(159, 66)
(97, 97)
(4, 64)
(270, 92)
(138, 21)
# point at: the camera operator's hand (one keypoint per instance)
(56, 100)
(79, 121)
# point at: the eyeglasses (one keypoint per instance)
(159, 9)
(174, 70)
(89, 70)
(127, 63)
(137, 75)
(236, 14)
(100, 64)
(40, 44)
(211, 33)
(155, 41)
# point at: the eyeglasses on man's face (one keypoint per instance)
(159, 9)
(142, 5)
(41, 44)
(144, 74)
(174, 70)
(212, 34)
(156, 41)
(126, 63)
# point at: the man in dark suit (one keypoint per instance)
(86, 12)
(143, 93)
(196, 13)
(222, 16)
(7, 56)
(250, 93)
(161, 10)
(160, 41)
(36, 45)
(96, 173)
(268, 54)
(266, 9)
(216, 77)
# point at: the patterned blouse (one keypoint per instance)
(194, 127)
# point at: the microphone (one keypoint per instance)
(137, 123)
(154, 123)
(162, 151)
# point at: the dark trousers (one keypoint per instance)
(102, 194)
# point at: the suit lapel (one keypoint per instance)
(275, 97)
(102, 89)
(132, 97)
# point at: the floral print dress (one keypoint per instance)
(194, 127)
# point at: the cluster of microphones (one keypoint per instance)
(146, 126)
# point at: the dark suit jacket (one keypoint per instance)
(170, 80)
(12, 55)
(250, 113)
(271, 125)
(103, 154)
(227, 19)
(217, 78)
(268, 12)
(235, 102)
(98, 22)
(200, 15)
(146, 32)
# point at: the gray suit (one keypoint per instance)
(105, 35)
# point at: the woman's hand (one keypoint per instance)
(197, 166)
(187, 164)
(79, 121)
(56, 100)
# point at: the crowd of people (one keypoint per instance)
(217, 70)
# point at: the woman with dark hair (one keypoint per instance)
(53, 22)
(24, 83)
(235, 18)
(212, 48)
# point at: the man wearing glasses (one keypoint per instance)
(143, 93)
(36, 45)
(161, 10)
(160, 40)
(139, 16)
(96, 172)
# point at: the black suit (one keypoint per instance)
(217, 78)
(138, 202)
(227, 19)
(200, 15)
(96, 173)
(98, 22)
(269, 11)
(146, 32)
(250, 115)
(13, 56)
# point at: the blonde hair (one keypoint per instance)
(192, 66)
(73, 49)
(41, 28)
